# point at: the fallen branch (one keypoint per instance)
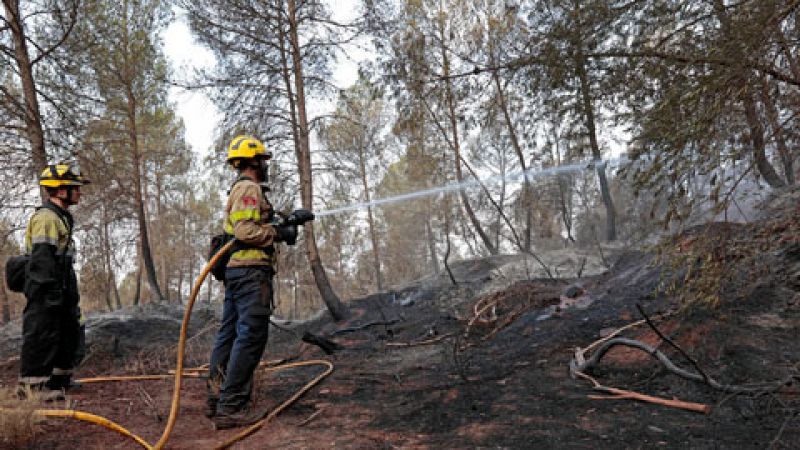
(669, 341)
(621, 394)
(365, 326)
(311, 417)
(478, 311)
(777, 439)
(579, 364)
(425, 342)
(613, 334)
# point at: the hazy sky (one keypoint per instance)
(199, 114)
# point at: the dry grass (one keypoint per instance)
(17, 419)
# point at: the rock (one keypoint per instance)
(573, 291)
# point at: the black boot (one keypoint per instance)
(58, 382)
(211, 407)
(243, 417)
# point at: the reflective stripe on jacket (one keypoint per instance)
(247, 217)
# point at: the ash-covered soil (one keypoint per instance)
(420, 368)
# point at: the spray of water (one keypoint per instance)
(468, 184)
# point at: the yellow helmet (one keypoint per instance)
(246, 147)
(61, 175)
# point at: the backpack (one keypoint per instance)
(15, 272)
(16, 265)
(217, 242)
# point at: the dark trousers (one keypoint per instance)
(242, 336)
(50, 337)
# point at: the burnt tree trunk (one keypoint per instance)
(431, 241)
(778, 132)
(303, 152)
(527, 190)
(765, 168)
(751, 116)
(591, 128)
(32, 117)
(376, 254)
(133, 135)
(476, 224)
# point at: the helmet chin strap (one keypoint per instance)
(261, 167)
(67, 200)
(264, 170)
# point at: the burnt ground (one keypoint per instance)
(419, 370)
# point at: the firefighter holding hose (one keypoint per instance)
(248, 304)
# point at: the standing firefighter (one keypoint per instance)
(242, 335)
(50, 326)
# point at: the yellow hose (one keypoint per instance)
(255, 427)
(136, 377)
(87, 417)
(179, 373)
(176, 394)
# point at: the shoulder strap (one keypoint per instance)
(64, 219)
(242, 178)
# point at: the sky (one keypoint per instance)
(199, 114)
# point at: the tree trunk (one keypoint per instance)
(138, 293)
(209, 289)
(303, 152)
(588, 113)
(5, 307)
(144, 239)
(759, 146)
(431, 241)
(763, 165)
(777, 131)
(160, 234)
(105, 248)
(133, 134)
(566, 210)
(376, 255)
(32, 116)
(787, 53)
(294, 294)
(527, 191)
(487, 241)
(447, 241)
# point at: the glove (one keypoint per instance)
(299, 217)
(287, 234)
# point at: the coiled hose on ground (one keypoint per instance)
(179, 374)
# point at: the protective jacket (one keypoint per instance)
(50, 328)
(247, 217)
(50, 276)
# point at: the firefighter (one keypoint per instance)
(248, 302)
(50, 326)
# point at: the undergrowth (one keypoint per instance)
(721, 260)
(17, 419)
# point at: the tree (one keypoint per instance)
(129, 68)
(263, 88)
(353, 138)
(706, 100)
(40, 34)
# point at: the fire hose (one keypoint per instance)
(179, 374)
